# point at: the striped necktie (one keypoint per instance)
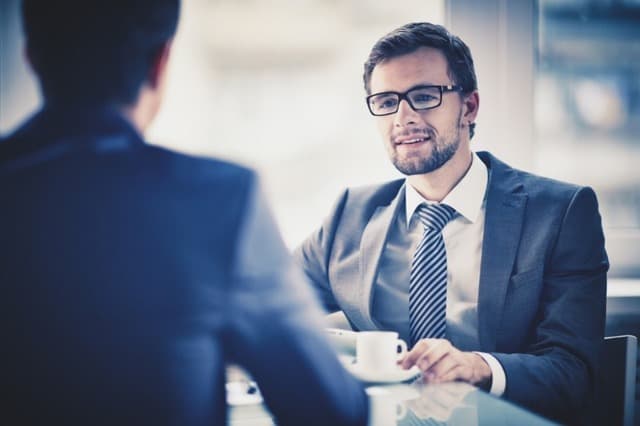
(428, 279)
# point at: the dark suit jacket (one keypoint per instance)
(542, 292)
(130, 275)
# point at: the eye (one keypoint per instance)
(423, 98)
(385, 102)
(389, 103)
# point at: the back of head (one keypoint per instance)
(96, 52)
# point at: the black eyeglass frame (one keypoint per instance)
(442, 88)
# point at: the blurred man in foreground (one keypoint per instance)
(130, 274)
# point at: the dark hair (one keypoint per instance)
(413, 36)
(96, 51)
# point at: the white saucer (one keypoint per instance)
(396, 375)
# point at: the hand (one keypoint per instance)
(441, 362)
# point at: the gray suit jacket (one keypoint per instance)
(542, 292)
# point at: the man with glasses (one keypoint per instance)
(494, 276)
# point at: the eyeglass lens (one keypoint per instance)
(418, 98)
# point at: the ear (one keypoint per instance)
(159, 65)
(470, 103)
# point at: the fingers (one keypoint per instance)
(425, 353)
(439, 361)
(430, 360)
(458, 372)
(412, 356)
(435, 373)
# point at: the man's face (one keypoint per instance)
(419, 141)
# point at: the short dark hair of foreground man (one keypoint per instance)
(130, 274)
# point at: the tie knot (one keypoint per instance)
(435, 216)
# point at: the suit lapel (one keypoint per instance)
(505, 207)
(373, 241)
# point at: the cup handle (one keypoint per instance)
(403, 347)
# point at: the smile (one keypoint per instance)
(411, 141)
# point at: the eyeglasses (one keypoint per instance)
(419, 98)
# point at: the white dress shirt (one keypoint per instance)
(463, 241)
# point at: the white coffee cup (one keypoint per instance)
(384, 409)
(378, 350)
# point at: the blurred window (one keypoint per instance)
(277, 85)
(587, 111)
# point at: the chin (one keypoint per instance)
(421, 166)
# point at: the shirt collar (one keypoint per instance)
(467, 197)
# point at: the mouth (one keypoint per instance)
(412, 141)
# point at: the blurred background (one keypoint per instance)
(277, 85)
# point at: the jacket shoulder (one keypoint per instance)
(535, 186)
(194, 168)
(374, 194)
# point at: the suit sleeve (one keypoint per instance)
(276, 331)
(314, 253)
(555, 375)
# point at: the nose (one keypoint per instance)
(405, 115)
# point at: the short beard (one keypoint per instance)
(441, 152)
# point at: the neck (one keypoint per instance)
(435, 185)
(142, 112)
(136, 116)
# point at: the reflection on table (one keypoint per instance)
(418, 403)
